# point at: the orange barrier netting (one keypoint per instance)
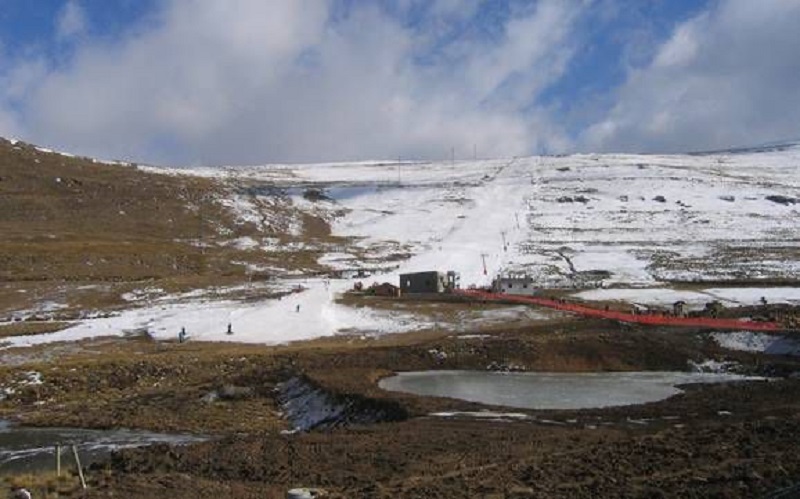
(649, 319)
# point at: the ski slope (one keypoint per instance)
(643, 219)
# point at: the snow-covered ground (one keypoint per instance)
(747, 341)
(665, 297)
(305, 314)
(641, 220)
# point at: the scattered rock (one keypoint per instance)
(660, 199)
(229, 392)
(210, 397)
(576, 199)
(315, 195)
(439, 355)
(305, 493)
(728, 198)
(232, 392)
(506, 367)
(784, 200)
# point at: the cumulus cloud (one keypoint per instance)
(727, 77)
(250, 81)
(72, 21)
(254, 81)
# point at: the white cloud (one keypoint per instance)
(72, 20)
(253, 81)
(727, 77)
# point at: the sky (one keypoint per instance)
(189, 82)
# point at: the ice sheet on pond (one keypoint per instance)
(551, 390)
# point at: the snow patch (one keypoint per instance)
(244, 243)
(308, 313)
(243, 208)
(747, 341)
(495, 416)
(713, 366)
(142, 294)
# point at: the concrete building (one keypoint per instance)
(429, 282)
(515, 284)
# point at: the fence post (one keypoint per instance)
(58, 460)
(78, 462)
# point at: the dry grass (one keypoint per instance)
(30, 328)
(43, 485)
(138, 383)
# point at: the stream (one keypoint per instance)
(27, 449)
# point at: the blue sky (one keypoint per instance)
(25, 24)
(253, 81)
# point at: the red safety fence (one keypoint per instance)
(648, 319)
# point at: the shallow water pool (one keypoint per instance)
(551, 390)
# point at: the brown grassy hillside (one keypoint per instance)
(69, 220)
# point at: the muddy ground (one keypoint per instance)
(732, 440)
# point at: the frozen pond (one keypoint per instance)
(551, 390)
(28, 449)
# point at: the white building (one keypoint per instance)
(515, 284)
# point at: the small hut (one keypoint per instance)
(429, 282)
(385, 289)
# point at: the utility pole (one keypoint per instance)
(483, 257)
(505, 246)
(516, 216)
(200, 223)
(452, 156)
(200, 202)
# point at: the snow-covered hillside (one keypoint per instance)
(641, 219)
(621, 221)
